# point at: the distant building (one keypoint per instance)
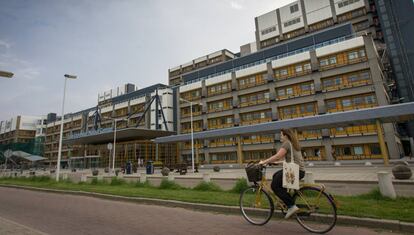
(24, 133)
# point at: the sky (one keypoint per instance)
(108, 43)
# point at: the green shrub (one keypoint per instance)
(67, 181)
(115, 181)
(40, 178)
(374, 194)
(240, 186)
(166, 184)
(146, 184)
(210, 186)
(95, 181)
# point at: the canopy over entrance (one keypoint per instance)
(107, 135)
(20, 155)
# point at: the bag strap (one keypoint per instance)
(291, 152)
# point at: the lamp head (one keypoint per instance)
(6, 74)
(70, 76)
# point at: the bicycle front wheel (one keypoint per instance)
(317, 210)
(256, 205)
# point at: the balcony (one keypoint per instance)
(255, 102)
(252, 122)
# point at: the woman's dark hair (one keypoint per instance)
(292, 138)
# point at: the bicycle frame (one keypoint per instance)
(263, 185)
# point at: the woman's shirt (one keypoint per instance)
(297, 155)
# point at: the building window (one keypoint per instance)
(342, 58)
(294, 8)
(251, 81)
(291, 22)
(352, 55)
(219, 88)
(292, 71)
(353, 102)
(346, 3)
(268, 30)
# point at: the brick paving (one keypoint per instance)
(69, 214)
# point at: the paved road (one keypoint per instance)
(68, 214)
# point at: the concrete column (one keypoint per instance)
(305, 19)
(239, 151)
(279, 25)
(335, 18)
(320, 99)
(275, 111)
(270, 75)
(234, 83)
(314, 60)
(383, 147)
(390, 137)
(327, 143)
(385, 185)
(257, 32)
(203, 89)
(316, 77)
(207, 156)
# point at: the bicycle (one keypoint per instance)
(317, 208)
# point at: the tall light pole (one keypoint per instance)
(114, 151)
(6, 74)
(67, 76)
(192, 132)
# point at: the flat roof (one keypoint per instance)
(107, 135)
(388, 113)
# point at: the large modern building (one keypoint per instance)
(309, 58)
(334, 76)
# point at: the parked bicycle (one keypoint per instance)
(317, 208)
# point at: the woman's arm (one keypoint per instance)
(277, 157)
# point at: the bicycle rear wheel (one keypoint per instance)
(256, 205)
(317, 212)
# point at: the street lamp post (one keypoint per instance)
(114, 150)
(67, 76)
(192, 132)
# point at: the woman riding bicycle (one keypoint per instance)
(289, 140)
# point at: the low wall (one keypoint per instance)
(336, 187)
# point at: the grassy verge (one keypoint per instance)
(371, 205)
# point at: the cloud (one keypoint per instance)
(236, 5)
(4, 44)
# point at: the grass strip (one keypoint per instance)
(371, 205)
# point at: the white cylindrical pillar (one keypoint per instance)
(385, 184)
(142, 178)
(206, 177)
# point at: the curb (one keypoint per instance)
(393, 225)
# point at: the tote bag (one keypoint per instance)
(290, 172)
